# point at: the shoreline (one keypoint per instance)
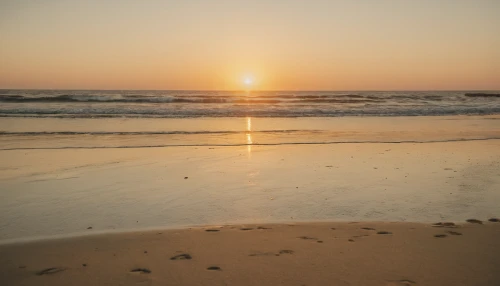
(314, 253)
(91, 232)
(254, 144)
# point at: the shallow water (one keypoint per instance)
(58, 133)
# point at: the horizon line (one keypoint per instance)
(256, 90)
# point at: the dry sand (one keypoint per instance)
(358, 253)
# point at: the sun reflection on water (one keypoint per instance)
(249, 136)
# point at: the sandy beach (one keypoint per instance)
(251, 208)
(356, 253)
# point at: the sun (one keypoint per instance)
(248, 81)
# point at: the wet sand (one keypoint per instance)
(356, 253)
(63, 192)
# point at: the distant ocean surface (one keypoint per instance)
(186, 104)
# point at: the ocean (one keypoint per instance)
(45, 119)
(186, 104)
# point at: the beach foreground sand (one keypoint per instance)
(336, 253)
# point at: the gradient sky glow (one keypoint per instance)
(280, 44)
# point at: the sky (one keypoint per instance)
(258, 44)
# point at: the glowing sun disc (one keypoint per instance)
(247, 81)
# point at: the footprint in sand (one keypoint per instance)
(403, 282)
(307, 238)
(51, 270)
(264, 254)
(454, 232)
(141, 270)
(283, 251)
(444, 224)
(212, 230)
(367, 228)
(494, 220)
(246, 228)
(261, 227)
(473, 220)
(183, 256)
(384, 232)
(440, 235)
(216, 268)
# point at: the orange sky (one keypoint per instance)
(281, 44)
